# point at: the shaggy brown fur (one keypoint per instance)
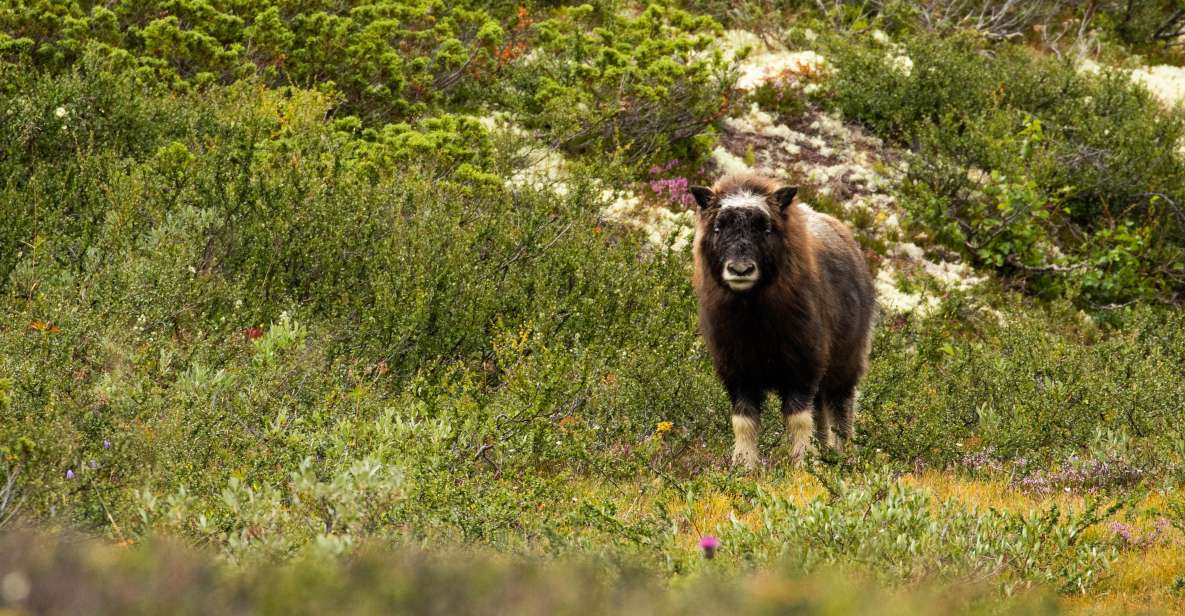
(786, 305)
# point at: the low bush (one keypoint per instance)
(1069, 183)
(584, 77)
(389, 60)
(637, 86)
(938, 391)
(247, 323)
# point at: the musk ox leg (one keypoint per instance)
(845, 420)
(824, 412)
(800, 426)
(746, 422)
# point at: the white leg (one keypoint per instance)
(744, 432)
(800, 430)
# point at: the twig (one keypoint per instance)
(106, 512)
(1050, 267)
(483, 453)
(6, 499)
(675, 483)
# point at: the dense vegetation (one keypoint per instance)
(269, 287)
(1069, 181)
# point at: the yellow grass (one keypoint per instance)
(1140, 581)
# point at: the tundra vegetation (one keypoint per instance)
(387, 306)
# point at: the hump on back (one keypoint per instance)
(785, 305)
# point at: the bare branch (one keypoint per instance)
(997, 19)
(9, 503)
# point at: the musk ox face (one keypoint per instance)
(741, 235)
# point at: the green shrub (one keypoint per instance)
(1067, 182)
(1020, 388)
(636, 86)
(389, 60)
(585, 77)
(406, 287)
(912, 535)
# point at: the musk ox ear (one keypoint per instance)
(703, 196)
(785, 196)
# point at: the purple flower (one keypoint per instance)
(1089, 475)
(1121, 529)
(69, 473)
(106, 444)
(709, 544)
(983, 459)
(675, 190)
(92, 464)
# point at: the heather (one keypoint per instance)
(409, 326)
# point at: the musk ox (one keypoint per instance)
(785, 305)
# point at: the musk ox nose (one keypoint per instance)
(741, 268)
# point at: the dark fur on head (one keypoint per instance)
(799, 322)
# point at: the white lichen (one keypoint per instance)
(952, 275)
(761, 68)
(892, 299)
(1163, 81)
(660, 226)
(909, 250)
(1166, 83)
(901, 64)
(727, 162)
(546, 169)
(755, 120)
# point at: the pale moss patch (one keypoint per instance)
(1166, 83)
(661, 226)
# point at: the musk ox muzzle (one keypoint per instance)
(741, 274)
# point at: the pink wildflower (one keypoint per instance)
(709, 544)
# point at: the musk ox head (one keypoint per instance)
(741, 232)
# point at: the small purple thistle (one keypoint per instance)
(69, 473)
(106, 444)
(709, 544)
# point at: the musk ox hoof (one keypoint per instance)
(745, 458)
(844, 446)
(798, 453)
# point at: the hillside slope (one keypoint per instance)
(409, 326)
